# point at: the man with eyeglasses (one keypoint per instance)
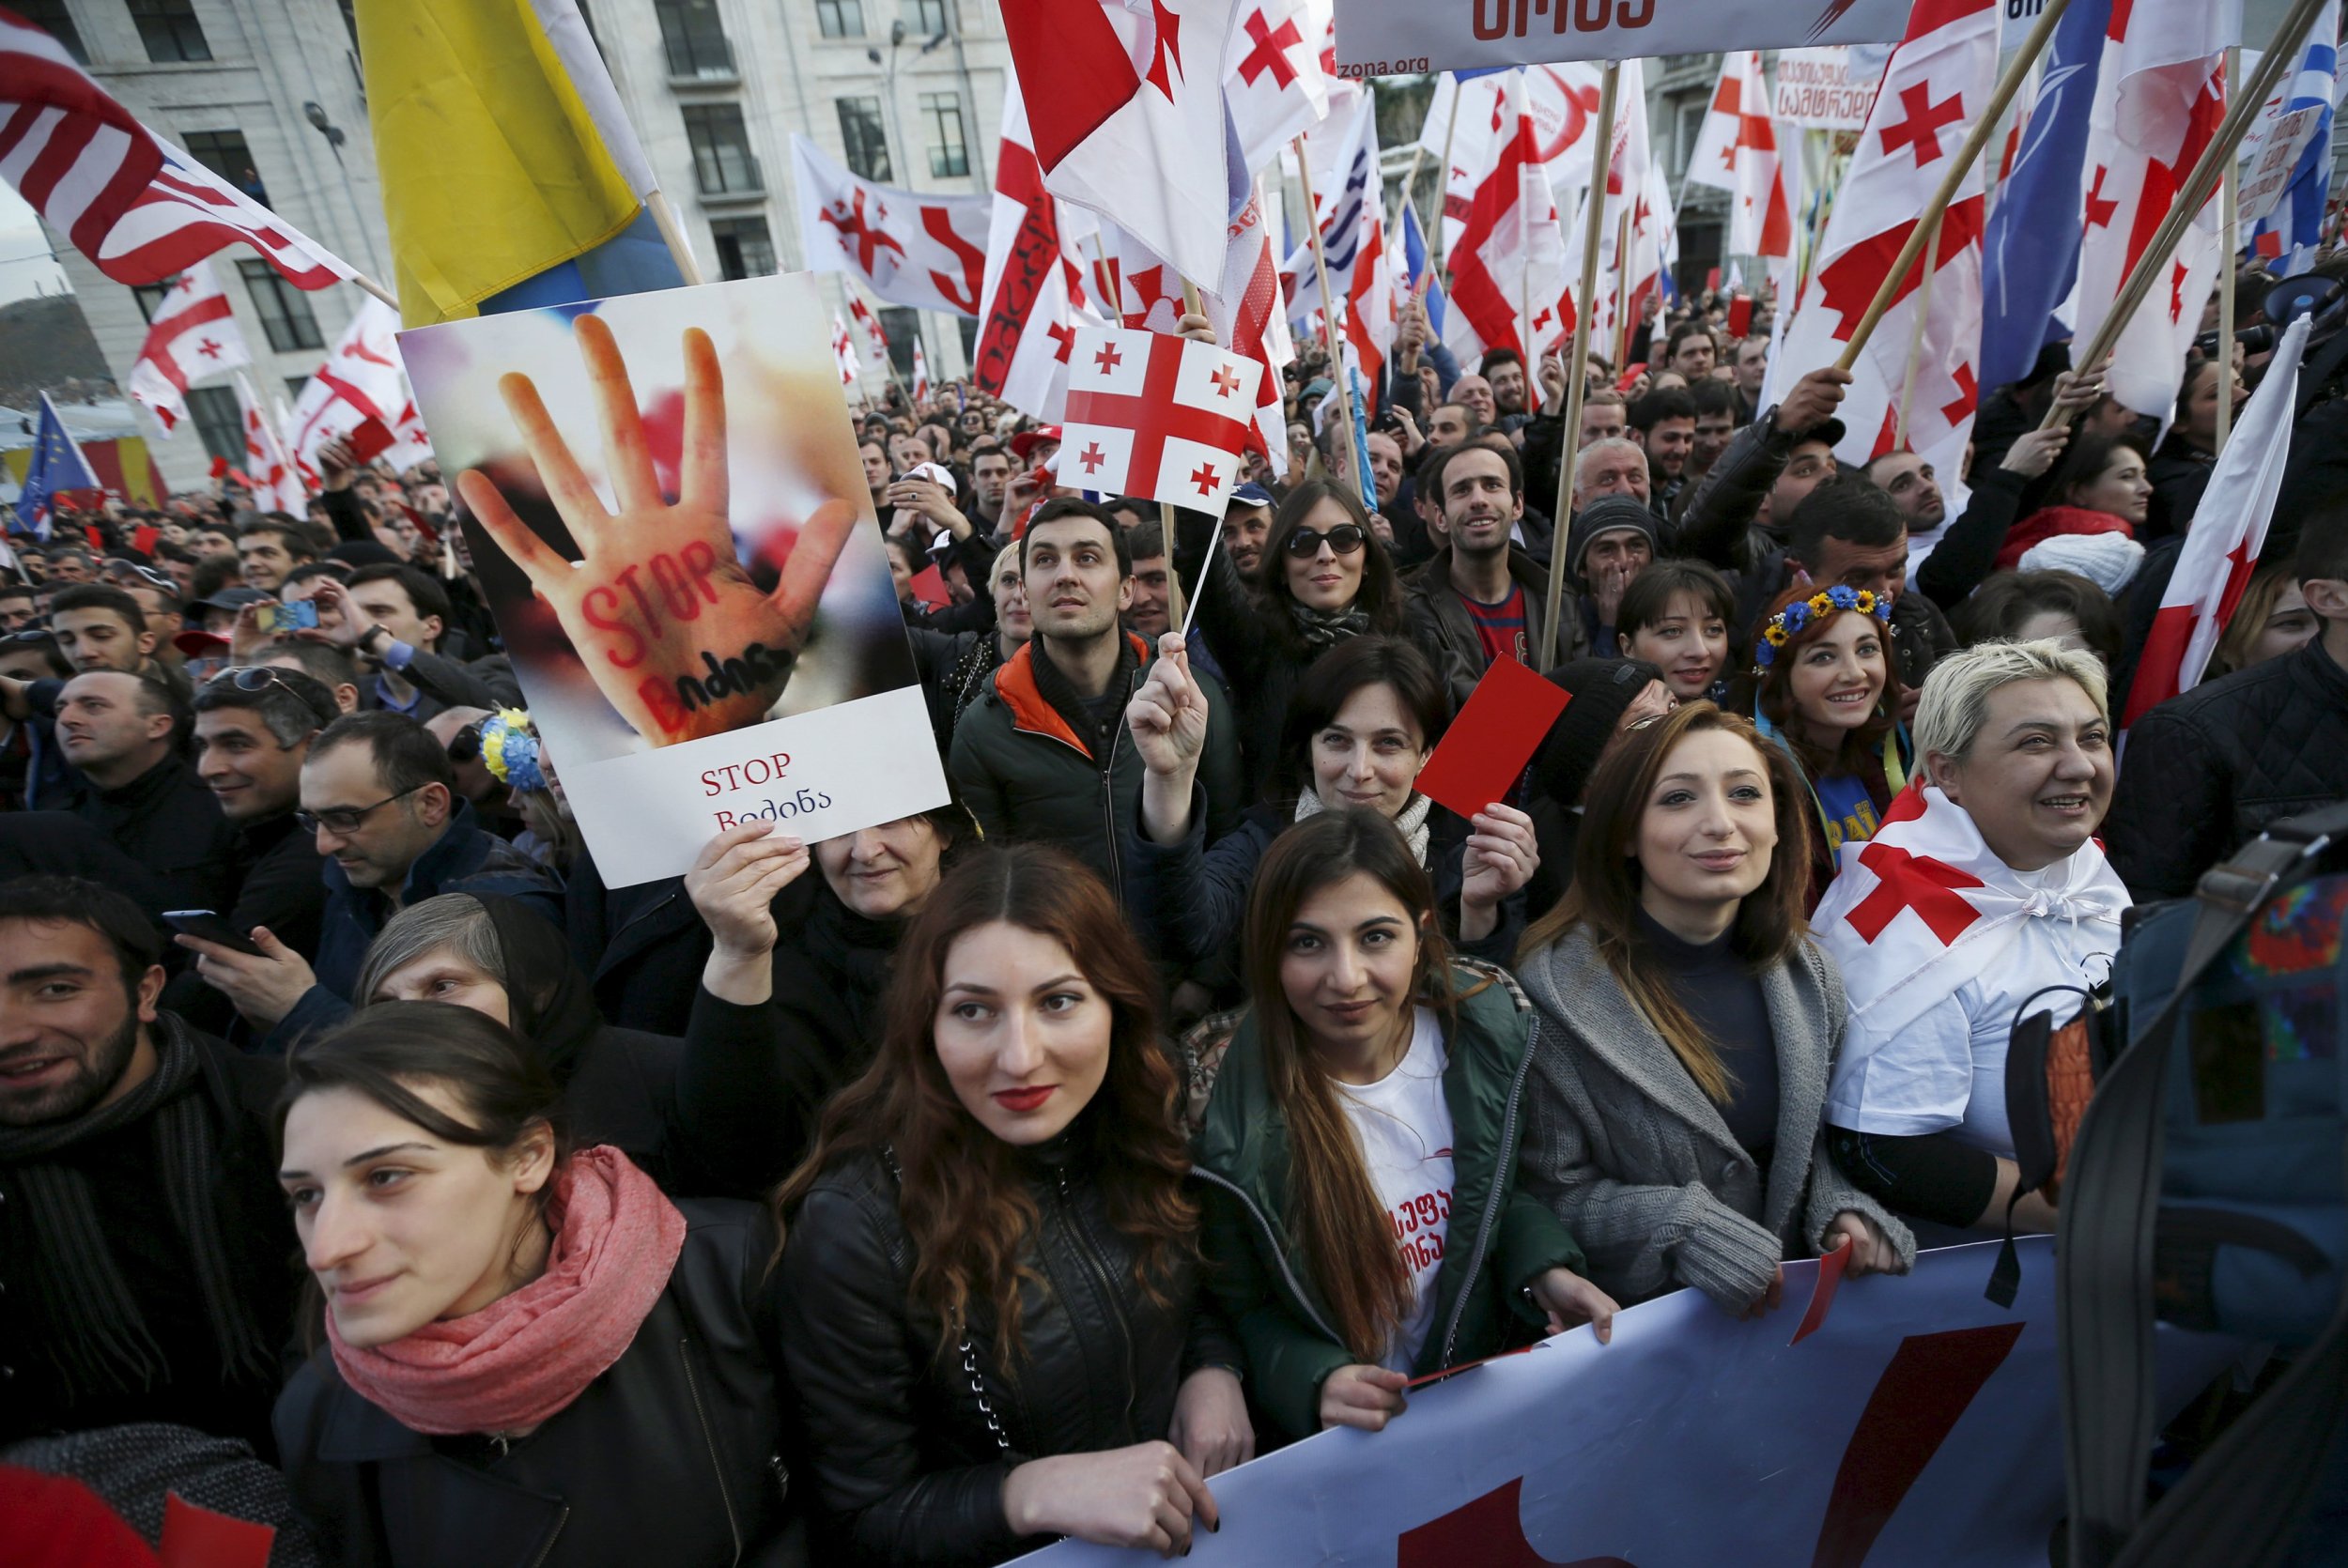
(124, 734)
(254, 726)
(1042, 753)
(1482, 597)
(378, 798)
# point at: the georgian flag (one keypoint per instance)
(911, 248)
(362, 380)
(877, 339)
(2221, 549)
(1925, 905)
(1272, 78)
(1158, 416)
(921, 374)
(1508, 283)
(1034, 294)
(193, 336)
(844, 350)
(1737, 152)
(276, 483)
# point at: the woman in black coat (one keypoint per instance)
(533, 1357)
(990, 1309)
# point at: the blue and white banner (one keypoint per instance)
(1918, 1424)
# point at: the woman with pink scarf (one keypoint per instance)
(531, 1355)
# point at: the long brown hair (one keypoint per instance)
(1604, 898)
(1379, 595)
(964, 1203)
(1772, 694)
(1333, 1209)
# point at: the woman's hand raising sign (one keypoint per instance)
(675, 634)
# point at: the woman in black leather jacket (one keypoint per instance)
(991, 1312)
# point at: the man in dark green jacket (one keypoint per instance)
(1043, 753)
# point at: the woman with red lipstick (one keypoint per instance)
(1821, 689)
(1359, 1142)
(530, 1354)
(1364, 720)
(1688, 1026)
(990, 1266)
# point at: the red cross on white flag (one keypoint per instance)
(1156, 416)
(1737, 152)
(2159, 95)
(276, 483)
(1273, 80)
(917, 249)
(193, 336)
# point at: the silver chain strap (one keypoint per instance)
(977, 1391)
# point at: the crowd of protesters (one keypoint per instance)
(1009, 1170)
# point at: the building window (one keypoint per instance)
(861, 135)
(226, 154)
(695, 37)
(745, 249)
(295, 387)
(169, 30)
(942, 113)
(722, 162)
(839, 19)
(902, 326)
(52, 17)
(925, 18)
(150, 298)
(219, 422)
(285, 310)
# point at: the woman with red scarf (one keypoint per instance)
(532, 1354)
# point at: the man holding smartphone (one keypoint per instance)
(253, 732)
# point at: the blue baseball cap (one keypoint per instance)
(1251, 494)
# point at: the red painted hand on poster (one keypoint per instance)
(677, 636)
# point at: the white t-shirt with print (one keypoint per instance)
(1402, 1125)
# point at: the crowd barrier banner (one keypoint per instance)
(663, 500)
(1399, 38)
(1918, 1424)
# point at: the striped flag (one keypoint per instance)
(192, 335)
(140, 208)
(2222, 549)
(921, 374)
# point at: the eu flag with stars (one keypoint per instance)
(57, 465)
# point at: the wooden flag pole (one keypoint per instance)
(2196, 192)
(1409, 177)
(1112, 300)
(1928, 221)
(1442, 182)
(1328, 317)
(1578, 362)
(375, 288)
(1916, 339)
(1622, 279)
(2229, 224)
(664, 219)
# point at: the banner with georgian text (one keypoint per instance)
(662, 496)
(1399, 38)
(1918, 1424)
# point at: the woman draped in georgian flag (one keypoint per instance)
(1983, 893)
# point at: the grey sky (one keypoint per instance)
(24, 265)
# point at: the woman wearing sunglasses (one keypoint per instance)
(1364, 720)
(1325, 578)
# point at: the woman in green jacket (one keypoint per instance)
(1370, 1082)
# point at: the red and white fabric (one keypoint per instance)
(1938, 84)
(194, 334)
(921, 374)
(874, 338)
(1938, 942)
(140, 208)
(1347, 193)
(1251, 320)
(1272, 78)
(1737, 152)
(1156, 416)
(1562, 102)
(2222, 547)
(412, 443)
(1124, 103)
(1634, 188)
(1035, 288)
(911, 248)
(2158, 97)
(1509, 287)
(844, 350)
(276, 483)
(360, 380)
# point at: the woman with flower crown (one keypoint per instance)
(1821, 688)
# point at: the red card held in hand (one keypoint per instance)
(1739, 315)
(929, 586)
(1485, 751)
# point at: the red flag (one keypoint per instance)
(1509, 284)
(1156, 416)
(1027, 318)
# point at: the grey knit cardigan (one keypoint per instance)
(1637, 1161)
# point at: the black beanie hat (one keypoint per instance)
(1601, 689)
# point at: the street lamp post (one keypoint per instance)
(315, 113)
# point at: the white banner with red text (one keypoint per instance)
(1401, 37)
(1917, 1423)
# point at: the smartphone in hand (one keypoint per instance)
(209, 926)
(302, 615)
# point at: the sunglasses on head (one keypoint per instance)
(1344, 539)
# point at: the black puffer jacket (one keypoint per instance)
(905, 1464)
(673, 1457)
(2208, 771)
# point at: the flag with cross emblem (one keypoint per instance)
(1158, 416)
